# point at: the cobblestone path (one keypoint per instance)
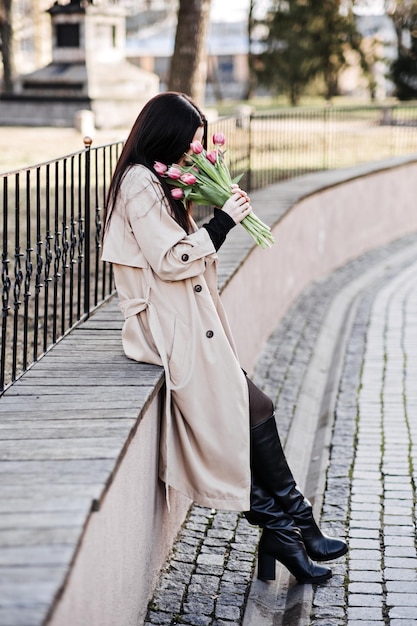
(373, 468)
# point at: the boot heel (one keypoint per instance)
(266, 566)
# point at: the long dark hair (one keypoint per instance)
(163, 131)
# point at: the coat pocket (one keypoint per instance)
(136, 341)
(180, 360)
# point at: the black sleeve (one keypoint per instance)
(219, 226)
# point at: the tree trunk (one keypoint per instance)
(252, 80)
(188, 72)
(6, 36)
(294, 94)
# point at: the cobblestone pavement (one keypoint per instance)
(369, 494)
(371, 477)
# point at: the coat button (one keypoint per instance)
(209, 334)
(198, 288)
(185, 257)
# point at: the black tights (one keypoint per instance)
(260, 405)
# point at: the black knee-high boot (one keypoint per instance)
(270, 465)
(281, 540)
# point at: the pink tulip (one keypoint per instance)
(177, 193)
(159, 167)
(219, 139)
(188, 178)
(174, 172)
(212, 156)
(196, 147)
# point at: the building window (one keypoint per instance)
(225, 69)
(68, 35)
(25, 44)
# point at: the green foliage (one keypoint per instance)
(286, 64)
(307, 39)
(404, 76)
(404, 68)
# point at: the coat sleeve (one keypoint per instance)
(171, 253)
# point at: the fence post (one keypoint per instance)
(6, 284)
(87, 225)
(249, 179)
(326, 137)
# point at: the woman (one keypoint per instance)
(219, 442)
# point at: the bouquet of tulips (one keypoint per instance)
(205, 179)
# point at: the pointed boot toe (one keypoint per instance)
(319, 574)
(324, 548)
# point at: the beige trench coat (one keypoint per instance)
(167, 286)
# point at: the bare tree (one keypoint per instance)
(6, 43)
(188, 71)
(404, 17)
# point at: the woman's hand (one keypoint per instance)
(238, 205)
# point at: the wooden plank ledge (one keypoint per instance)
(64, 429)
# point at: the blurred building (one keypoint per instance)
(88, 72)
(379, 42)
(150, 44)
(150, 36)
(32, 30)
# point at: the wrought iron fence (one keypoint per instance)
(52, 275)
(270, 147)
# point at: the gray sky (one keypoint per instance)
(232, 10)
